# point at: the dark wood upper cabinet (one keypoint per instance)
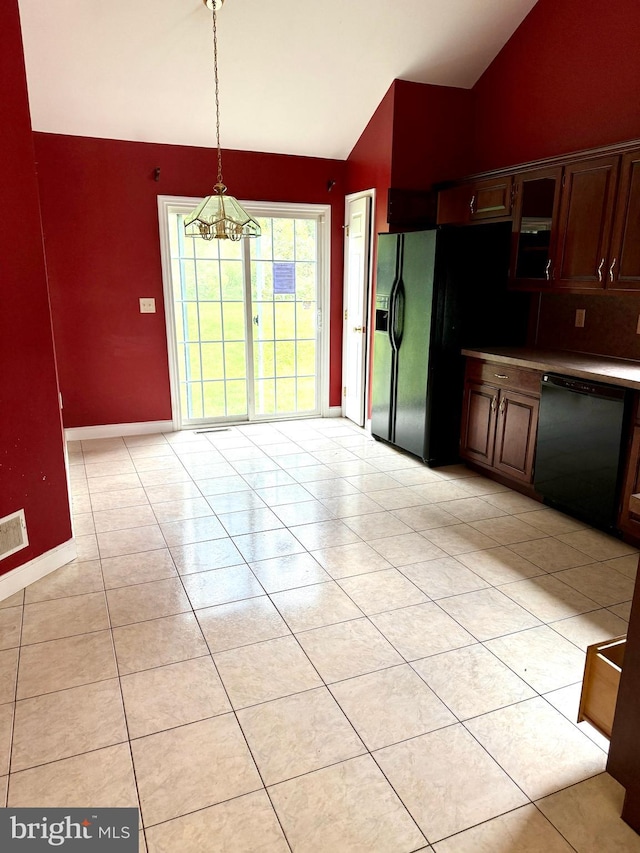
(623, 271)
(491, 199)
(535, 216)
(476, 201)
(586, 215)
(576, 219)
(454, 205)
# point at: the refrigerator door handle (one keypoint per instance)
(392, 315)
(397, 317)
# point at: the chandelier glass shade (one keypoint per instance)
(219, 216)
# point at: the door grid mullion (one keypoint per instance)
(248, 325)
(182, 315)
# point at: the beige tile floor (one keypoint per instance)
(288, 636)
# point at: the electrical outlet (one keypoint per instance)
(580, 315)
(147, 305)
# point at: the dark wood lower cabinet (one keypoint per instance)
(479, 423)
(499, 427)
(516, 435)
(629, 519)
(624, 751)
(498, 435)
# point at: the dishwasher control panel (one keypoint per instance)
(579, 386)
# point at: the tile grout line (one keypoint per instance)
(15, 702)
(210, 656)
(335, 581)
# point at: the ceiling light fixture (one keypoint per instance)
(219, 216)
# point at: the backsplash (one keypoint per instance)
(610, 324)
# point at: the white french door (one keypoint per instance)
(244, 319)
(356, 303)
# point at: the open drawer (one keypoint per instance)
(600, 683)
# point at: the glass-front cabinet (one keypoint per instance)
(536, 198)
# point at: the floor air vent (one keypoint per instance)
(13, 533)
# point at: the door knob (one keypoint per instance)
(359, 328)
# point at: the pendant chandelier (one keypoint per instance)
(219, 216)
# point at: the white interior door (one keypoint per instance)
(356, 301)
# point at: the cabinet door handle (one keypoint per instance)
(494, 403)
(501, 375)
(547, 270)
(613, 263)
(503, 405)
(472, 204)
(600, 270)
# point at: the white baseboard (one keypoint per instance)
(334, 412)
(117, 430)
(16, 579)
(367, 425)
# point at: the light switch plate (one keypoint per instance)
(580, 315)
(147, 305)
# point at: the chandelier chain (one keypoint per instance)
(219, 216)
(215, 74)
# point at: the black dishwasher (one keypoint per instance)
(581, 429)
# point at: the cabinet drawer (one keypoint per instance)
(505, 376)
(600, 683)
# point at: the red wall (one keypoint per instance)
(418, 135)
(569, 78)
(100, 216)
(32, 473)
(431, 134)
(369, 164)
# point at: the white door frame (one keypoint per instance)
(369, 297)
(255, 208)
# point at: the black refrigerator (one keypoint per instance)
(437, 292)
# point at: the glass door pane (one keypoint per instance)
(209, 310)
(284, 310)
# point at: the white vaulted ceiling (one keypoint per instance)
(296, 76)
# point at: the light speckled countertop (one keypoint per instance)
(599, 368)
